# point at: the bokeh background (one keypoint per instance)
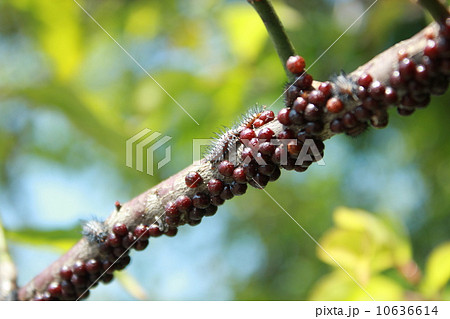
(70, 98)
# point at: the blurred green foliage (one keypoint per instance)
(378, 256)
(70, 98)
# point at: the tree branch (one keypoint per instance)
(276, 32)
(158, 205)
(436, 8)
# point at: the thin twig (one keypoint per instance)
(276, 31)
(436, 8)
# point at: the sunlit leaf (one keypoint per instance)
(399, 244)
(339, 286)
(360, 220)
(131, 285)
(355, 251)
(363, 243)
(325, 289)
(437, 270)
(61, 35)
(60, 239)
(245, 31)
(382, 231)
(382, 288)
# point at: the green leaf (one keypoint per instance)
(325, 288)
(437, 270)
(364, 243)
(60, 35)
(356, 252)
(245, 31)
(59, 239)
(131, 285)
(360, 220)
(339, 286)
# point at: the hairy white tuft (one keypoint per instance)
(95, 231)
(226, 141)
(344, 87)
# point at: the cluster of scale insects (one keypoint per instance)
(259, 160)
(74, 281)
(409, 88)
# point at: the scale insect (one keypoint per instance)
(225, 144)
(95, 231)
(248, 119)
